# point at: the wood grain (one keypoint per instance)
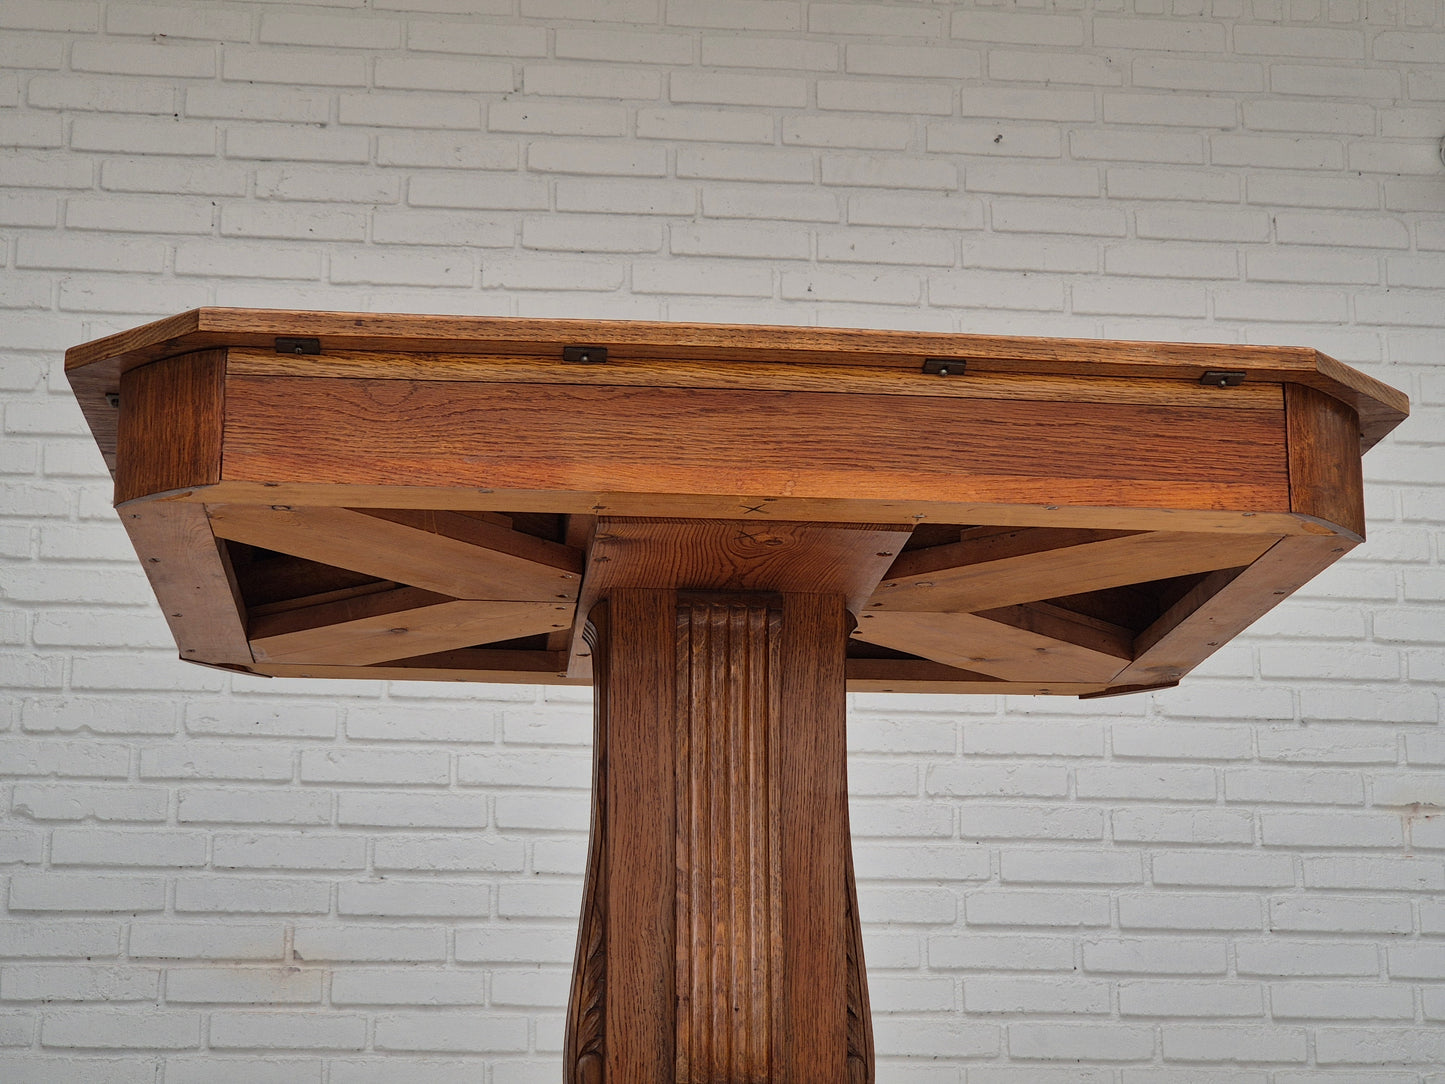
(1223, 605)
(815, 843)
(170, 426)
(724, 816)
(1325, 478)
(743, 505)
(396, 624)
(95, 367)
(635, 660)
(1040, 563)
(438, 551)
(721, 442)
(729, 854)
(192, 580)
(835, 379)
(1052, 650)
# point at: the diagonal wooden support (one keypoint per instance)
(1002, 568)
(395, 624)
(1012, 643)
(445, 552)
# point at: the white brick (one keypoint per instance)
(85, 892)
(482, 39)
(196, 760)
(474, 855)
(1163, 825)
(1080, 1042)
(121, 1029)
(430, 73)
(862, 245)
(720, 88)
(253, 806)
(291, 851)
(142, 136)
(1408, 873)
(330, 31)
(153, 847)
(1193, 997)
(711, 125)
(1349, 230)
(205, 941)
(913, 99)
(400, 110)
(451, 1032)
(307, 144)
(293, 221)
(380, 766)
(1340, 1001)
(410, 986)
(251, 895)
(1053, 68)
(1186, 73)
(1238, 1045)
(413, 944)
(301, 1030)
(134, 58)
(735, 239)
(248, 985)
(574, 81)
(316, 67)
(442, 150)
(1184, 911)
(1000, 952)
(36, 938)
(597, 157)
(1298, 41)
(395, 898)
(1050, 996)
(1018, 28)
(166, 22)
(627, 46)
(1324, 914)
(56, 801)
(1379, 1046)
(1020, 907)
(230, 101)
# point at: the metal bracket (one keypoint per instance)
(585, 355)
(944, 366)
(1222, 378)
(290, 344)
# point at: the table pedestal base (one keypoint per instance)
(719, 940)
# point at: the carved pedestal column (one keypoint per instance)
(719, 941)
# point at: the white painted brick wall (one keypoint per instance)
(212, 878)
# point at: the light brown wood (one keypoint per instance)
(720, 836)
(719, 442)
(169, 428)
(1041, 563)
(190, 574)
(836, 379)
(1018, 648)
(1380, 407)
(840, 509)
(438, 551)
(1223, 605)
(396, 624)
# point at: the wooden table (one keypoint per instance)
(722, 529)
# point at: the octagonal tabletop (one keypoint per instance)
(438, 497)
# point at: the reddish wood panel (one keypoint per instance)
(705, 441)
(170, 426)
(1325, 477)
(635, 663)
(814, 807)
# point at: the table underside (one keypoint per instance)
(419, 515)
